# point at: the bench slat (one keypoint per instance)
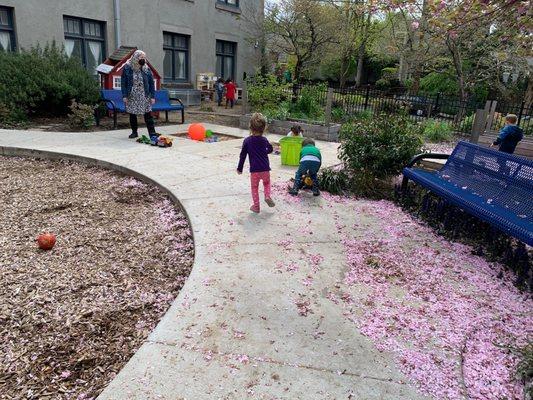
(115, 104)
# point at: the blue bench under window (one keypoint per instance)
(163, 102)
(493, 186)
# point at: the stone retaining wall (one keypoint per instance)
(319, 132)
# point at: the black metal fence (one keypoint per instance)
(459, 114)
(524, 114)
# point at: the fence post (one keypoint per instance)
(478, 125)
(244, 109)
(329, 101)
(437, 102)
(367, 94)
(492, 109)
(522, 106)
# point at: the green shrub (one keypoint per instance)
(338, 114)
(43, 82)
(10, 117)
(81, 115)
(437, 131)
(383, 84)
(265, 92)
(364, 114)
(281, 112)
(439, 82)
(528, 130)
(333, 181)
(309, 103)
(373, 151)
(467, 123)
(389, 73)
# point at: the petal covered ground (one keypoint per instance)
(445, 314)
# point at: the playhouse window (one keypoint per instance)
(7, 30)
(116, 82)
(226, 53)
(85, 40)
(176, 58)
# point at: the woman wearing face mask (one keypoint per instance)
(138, 92)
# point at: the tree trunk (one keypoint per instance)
(458, 66)
(417, 74)
(419, 45)
(344, 68)
(297, 74)
(265, 66)
(298, 70)
(401, 69)
(528, 98)
(362, 48)
(360, 60)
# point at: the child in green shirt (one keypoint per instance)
(310, 162)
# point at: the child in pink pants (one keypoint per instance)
(257, 148)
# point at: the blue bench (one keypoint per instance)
(114, 103)
(493, 186)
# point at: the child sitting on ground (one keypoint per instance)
(296, 130)
(310, 162)
(257, 148)
(509, 135)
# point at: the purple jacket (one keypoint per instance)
(257, 148)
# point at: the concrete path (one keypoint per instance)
(234, 331)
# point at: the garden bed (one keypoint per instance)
(71, 318)
(221, 137)
(329, 133)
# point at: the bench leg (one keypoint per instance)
(166, 116)
(182, 117)
(115, 122)
(405, 181)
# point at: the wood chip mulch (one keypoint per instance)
(70, 318)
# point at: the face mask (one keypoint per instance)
(142, 62)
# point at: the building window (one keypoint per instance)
(85, 40)
(234, 3)
(7, 29)
(176, 58)
(226, 52)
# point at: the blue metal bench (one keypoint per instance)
(493, 186)
(114, 103)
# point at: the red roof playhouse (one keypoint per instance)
(111, 69)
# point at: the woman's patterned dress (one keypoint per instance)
(138, 103)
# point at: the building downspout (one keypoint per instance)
(116, 4)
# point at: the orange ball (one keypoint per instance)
(46, 241)
(197, 132)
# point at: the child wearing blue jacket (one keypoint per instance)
(509, 135)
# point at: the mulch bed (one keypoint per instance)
(70, 318)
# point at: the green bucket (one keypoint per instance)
(290, 150)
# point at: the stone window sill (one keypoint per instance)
(225, 7)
